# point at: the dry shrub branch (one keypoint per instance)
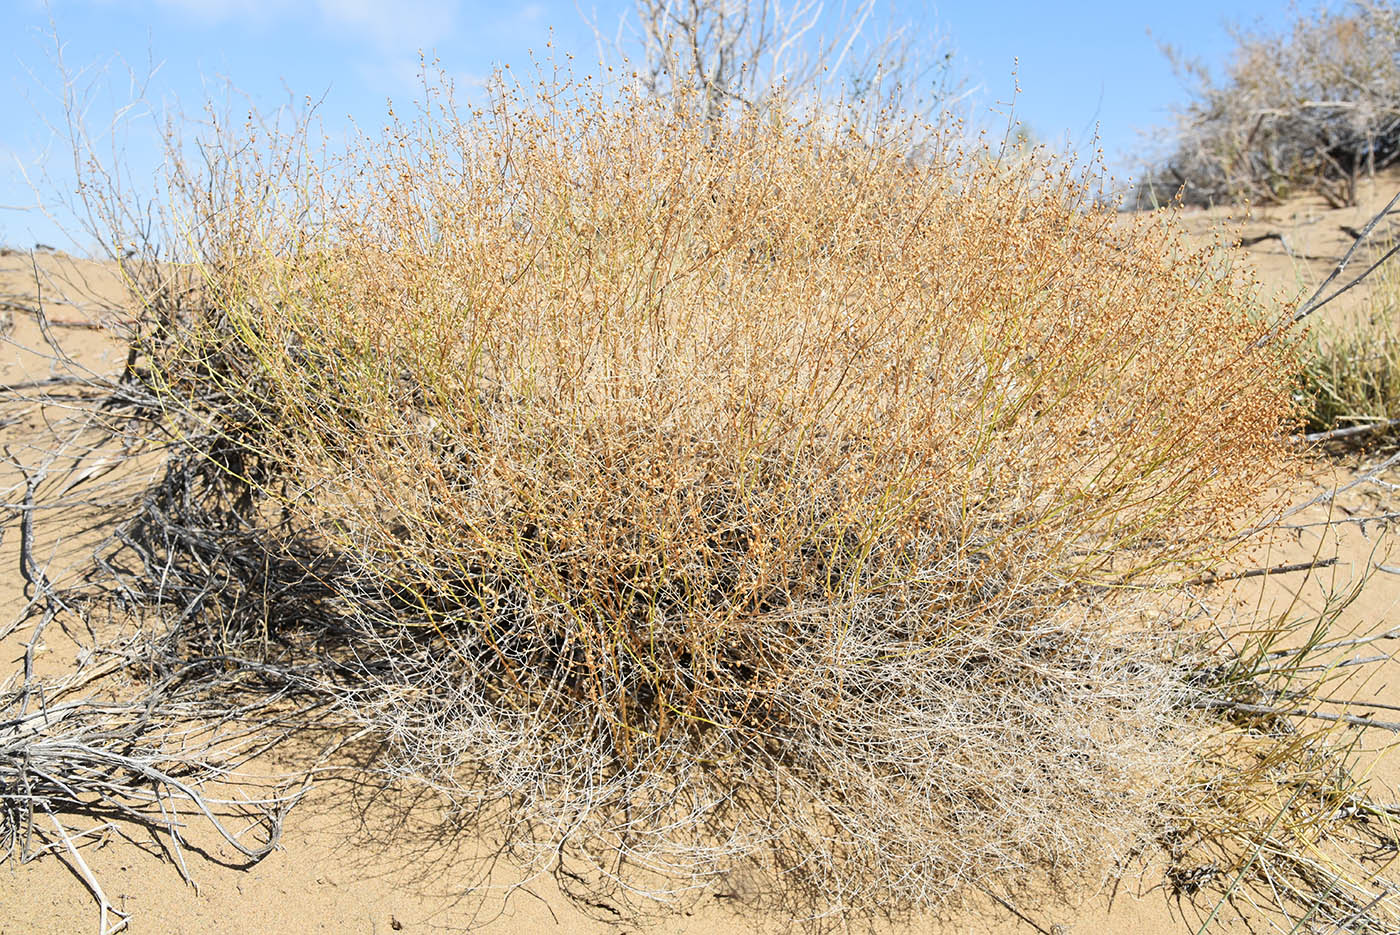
(133, 740)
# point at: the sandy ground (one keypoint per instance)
(356, 859)
(1293, 246)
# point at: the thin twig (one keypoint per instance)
(1325, 497)
(104, 905)
(68, 380)
(1245, 708)
(1315, 301)
(1348, 432)
(1345, 520)
(1391, 634)
(1259, 572)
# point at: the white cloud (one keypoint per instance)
(216, 11)
(393, 23)
(389, 24)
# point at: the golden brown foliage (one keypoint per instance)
(719, 492)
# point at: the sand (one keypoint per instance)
(355, 858)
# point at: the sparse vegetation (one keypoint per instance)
(1350, 385)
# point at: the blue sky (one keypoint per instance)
(1081, 65)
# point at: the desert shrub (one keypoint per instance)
(1309, 109)
(697, 495)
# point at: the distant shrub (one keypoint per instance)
(1311, 109)
(703, 494)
